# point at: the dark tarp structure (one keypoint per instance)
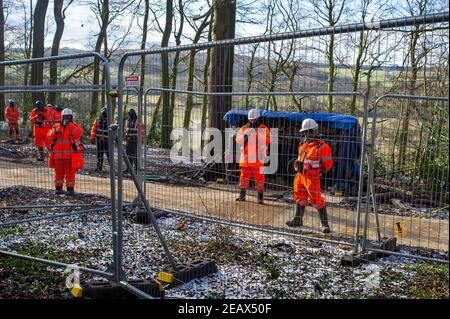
(341, 132)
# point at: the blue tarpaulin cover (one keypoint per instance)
(345, 158)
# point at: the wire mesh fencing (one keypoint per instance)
(390, 155)
(409, 189)
(187, 90)
(28, 184)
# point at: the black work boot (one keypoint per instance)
(298, 218)
(41, 155)
(324, 220)
(59, 190)
(99, 166)
(241, 197)
(260, 198)
(70, 191)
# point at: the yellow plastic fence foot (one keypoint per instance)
(77, 291)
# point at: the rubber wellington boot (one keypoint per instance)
(324, 220)
(59, 190)
(260, 198)
(298, 218)
(241, 197)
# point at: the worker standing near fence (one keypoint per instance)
(132, 128)
(12, 115)
(57, 117)
(314, 160)
(254, 137)
(99, 134)
(42, 119)
(65, 151)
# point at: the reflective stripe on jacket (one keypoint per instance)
(100, 128)
(255, 149)
(63, 144)
(316, 157)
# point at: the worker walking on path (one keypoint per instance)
(132, 128)
(65, 151)
(12, 115)
(254, 137)
(99, 134)
(42, 118)
(314, 159)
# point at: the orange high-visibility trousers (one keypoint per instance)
(307, 190)
(64, 170)
(13, 129)
(40, 136)
(258, 177)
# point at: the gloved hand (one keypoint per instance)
(57, 131)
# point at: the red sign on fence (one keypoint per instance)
(132, 80)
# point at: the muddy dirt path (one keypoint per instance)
(427, 233)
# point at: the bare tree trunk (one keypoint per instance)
(176, 61)
(98, 46)
(37, 69)
(143, 43)
(59, 15)
(105, 53)
(205, 76)
(406, 114)
(191, 71)
(361, 47)
(331, 72)
(155, 118)
(2, 58)
(27, 102)
(250, 75)
(222, 58)
(166, 129)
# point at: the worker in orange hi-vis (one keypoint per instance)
(42, 118)
(12, 115)
(254, 137)
(314, 159)
(57, 117)
(51, 111)
(65, 151)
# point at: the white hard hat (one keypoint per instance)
(309, 124)
(66, 112)
(253, 114)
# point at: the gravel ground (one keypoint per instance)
(251, 264)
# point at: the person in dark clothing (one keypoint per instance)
(99, 133)
(131, 134)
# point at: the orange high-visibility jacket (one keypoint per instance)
(41, 118)
(57, 116)
(253, 151)
(12, 114)
(316, 158)
(64, 140)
